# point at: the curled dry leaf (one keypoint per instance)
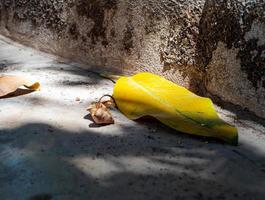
(100, 112)
(108, 103)
(9, 84)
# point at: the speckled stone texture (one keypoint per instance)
(232, 43)
(212, 47)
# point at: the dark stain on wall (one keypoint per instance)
(219, 22)
(228, 22)
(252, 55)
(95, 10)
(41, 13)
(153, 19)
(252, 58)
(178, 50)
(127, 41)
(74, 31)
(128, 38)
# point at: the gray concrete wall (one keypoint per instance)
(212, 47)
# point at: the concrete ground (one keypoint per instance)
(50, 149)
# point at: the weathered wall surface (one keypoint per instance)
(153, 35)
(232, 44)
(214, 46)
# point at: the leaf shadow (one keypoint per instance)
(93, 124)
(17, 93)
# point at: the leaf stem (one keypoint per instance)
(107, 95)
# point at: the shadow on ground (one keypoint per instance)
(39, 161)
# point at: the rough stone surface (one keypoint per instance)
(51, 150)
(126, 36)
(177, 39)
(232, 44)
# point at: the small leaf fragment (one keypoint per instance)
(109, 103)
(100, 113)
(9, 84)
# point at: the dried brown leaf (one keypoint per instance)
(9, 84)
(100, 113)
(109, 103)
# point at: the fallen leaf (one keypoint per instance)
(108, 103)
(146, 94)
(9, 84)
(100, 112)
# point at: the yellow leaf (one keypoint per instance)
(146, 94)
(9, 84)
